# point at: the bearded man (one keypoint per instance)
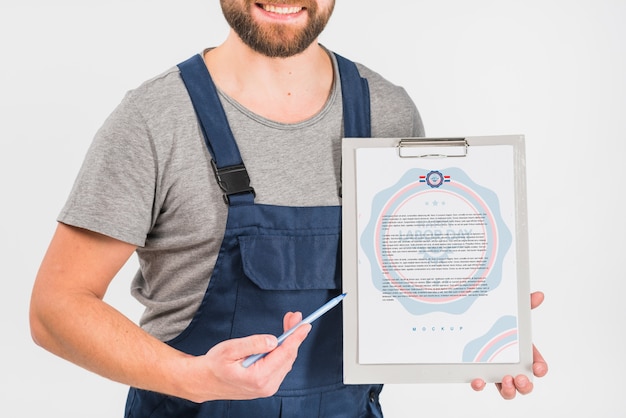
(223, 175)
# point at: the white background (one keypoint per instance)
(554, 70)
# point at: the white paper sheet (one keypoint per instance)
(435, 267)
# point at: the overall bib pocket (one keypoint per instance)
(289, 273)
(281, 262)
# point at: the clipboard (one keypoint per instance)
(435, 260)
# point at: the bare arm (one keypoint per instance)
(69, 318)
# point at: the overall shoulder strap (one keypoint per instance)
(227, 163)
(228, 167)
(356, 100)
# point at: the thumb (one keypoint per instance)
(239, 348)
(536, 299)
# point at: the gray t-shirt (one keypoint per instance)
(147, 180)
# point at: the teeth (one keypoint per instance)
(281, 10)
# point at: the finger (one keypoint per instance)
(282, 358)
(291, 319)
(297, 337)
(523, 384)
(540, 367)
(536, 299)
(478, 384)
(240, 348)
(507, 388)
(285, 360)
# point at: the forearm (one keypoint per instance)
(102, 340)
(69, 318)
(84, 330)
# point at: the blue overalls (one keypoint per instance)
(273, 259)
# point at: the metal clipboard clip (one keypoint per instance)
(432, 148)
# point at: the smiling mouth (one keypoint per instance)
(281, 10)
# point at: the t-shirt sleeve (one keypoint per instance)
(113, 193)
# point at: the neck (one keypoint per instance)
(286, 90)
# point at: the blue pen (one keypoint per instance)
(319, 312)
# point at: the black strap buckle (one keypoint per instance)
(233, 179)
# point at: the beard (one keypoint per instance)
(277, 40)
